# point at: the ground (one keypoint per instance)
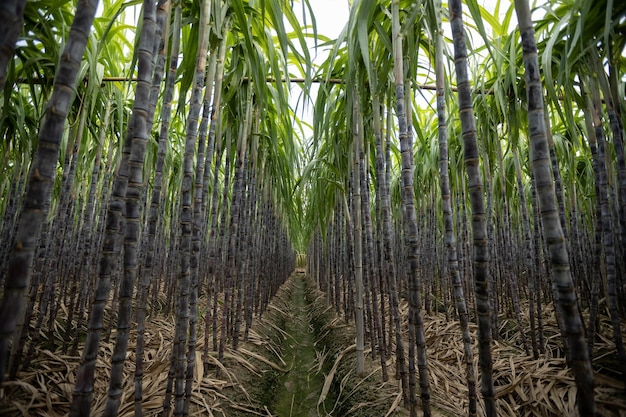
(299, 360)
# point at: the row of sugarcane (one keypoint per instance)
(151, 209)
(491, 155)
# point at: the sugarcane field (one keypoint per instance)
(298, 208)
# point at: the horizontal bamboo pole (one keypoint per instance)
(429, 87)
(245, 80)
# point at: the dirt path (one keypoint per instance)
(304, 352)
(299, 389)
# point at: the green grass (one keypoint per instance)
(299, 389)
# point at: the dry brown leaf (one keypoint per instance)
(240, 359)
(394, 405)
(198, 368)
(331, 374)
(262, 359)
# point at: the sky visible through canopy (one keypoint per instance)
(331, 17)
